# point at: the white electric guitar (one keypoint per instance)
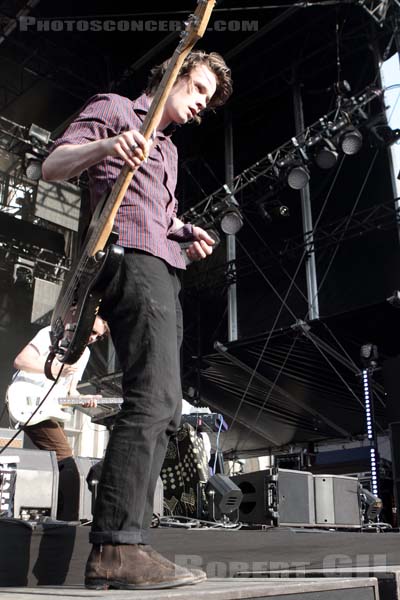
(24, 397)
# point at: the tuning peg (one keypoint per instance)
(192, 20)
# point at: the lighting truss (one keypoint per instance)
(378, 9)
(265, 175)
(12, 134)
(382, 217)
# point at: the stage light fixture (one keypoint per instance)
(23, 276)
(298, 177)
(350, 141)
(369, 355)
(231, 220)
(326, 155)
(228, 213)
(224, 496)
(38, 135)
(33, 166)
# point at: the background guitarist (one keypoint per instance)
(49, 434)
(141, 305)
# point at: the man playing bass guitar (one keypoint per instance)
(141, 305)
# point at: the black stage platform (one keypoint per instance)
(51, 554)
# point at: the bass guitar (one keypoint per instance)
(81, 296)
(24, 397)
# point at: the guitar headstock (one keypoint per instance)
(196, 25)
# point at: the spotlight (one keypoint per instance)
(224, 496)
(326, 155)
(275, 212)
(369, 355)
(38, 135)
(298, 177)
(23, 276)
(342, 88)
(33, 166)
(231, 220)
(350, 141)
(283, 211)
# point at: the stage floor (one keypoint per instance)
(55, 554)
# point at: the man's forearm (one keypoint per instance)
(70, 160)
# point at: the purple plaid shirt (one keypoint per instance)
(145, 215)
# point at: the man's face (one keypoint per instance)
(98, 330)
(190, 95)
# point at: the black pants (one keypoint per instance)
(145, 318)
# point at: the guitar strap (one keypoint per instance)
(47, 366)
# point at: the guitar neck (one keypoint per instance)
(196, 27)
(77, 400)
(102, 231)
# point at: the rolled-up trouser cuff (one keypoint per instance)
(119, 537)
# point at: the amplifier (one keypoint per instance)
(277, 497)
(337, 500)
(36, 484)
(84, 465)
(89, 475)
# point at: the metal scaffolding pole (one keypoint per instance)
(230, 239)
(311, 271)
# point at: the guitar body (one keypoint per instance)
(71, 325)
(22, 399)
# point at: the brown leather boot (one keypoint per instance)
(198, 574)
(129, 567)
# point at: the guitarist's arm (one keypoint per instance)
(73, 390)
(97, 140)
(31, 361)
(70, 160)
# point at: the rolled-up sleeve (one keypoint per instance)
(98, 119)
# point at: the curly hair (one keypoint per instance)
(212, 60)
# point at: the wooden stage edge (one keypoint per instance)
(54, 554)
(221, 589)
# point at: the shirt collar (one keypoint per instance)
(141, 107)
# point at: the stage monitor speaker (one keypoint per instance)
(84, 464)
(36, 485)
(277, 497)
(337, 500)
(89, 475)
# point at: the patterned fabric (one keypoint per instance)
(185, 466)
(145, 216)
